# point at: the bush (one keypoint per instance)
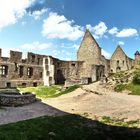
(120, 87)
(136, 79)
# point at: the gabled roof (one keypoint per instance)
(117, 49)
(88, 35)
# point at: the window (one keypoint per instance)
(117, 62)
(123, 62)
(38, 61)
(8, 85)
(23, 84)
(34, 84)
(16, 67)
(30, 72)
(21, 68)
(40, 74)
(33, 58)
(3, 70)
(73, 65)
(48, 73)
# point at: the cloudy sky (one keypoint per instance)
(56, 27)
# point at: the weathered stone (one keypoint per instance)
(16, 100)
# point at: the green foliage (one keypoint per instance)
(119, 74)
(120, 87)
(133, 88)
(136, 79)
(68, 90)
(119, 122)
(48, 91)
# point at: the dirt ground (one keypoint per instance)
(119, 105)
(92, 101)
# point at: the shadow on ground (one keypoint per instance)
(58, 125)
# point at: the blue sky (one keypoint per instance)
(56, 27)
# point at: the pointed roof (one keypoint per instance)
(117, 49)
(88, 35)
(137, 53)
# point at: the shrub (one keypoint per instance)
(120, 87)
(136, 79)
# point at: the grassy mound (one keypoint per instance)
(133, 86)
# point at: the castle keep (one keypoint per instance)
(37, 69)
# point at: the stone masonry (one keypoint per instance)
(37, 69)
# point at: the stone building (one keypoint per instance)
(120, 61)
(95, 64)
(37, 69)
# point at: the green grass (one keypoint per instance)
(133, 88)
(69, 127)
(119, 122)
(49, 91)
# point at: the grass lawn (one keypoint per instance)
(48, 92)
(69, 127)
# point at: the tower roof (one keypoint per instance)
(137, 53)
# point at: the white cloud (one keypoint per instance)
(113, 31)
(36, 46)
(121, 43)
(98, 30)
(105, 53)
(12, 10)
(58, 26)
(37, 14)
(127, 32)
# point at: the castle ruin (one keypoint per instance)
(37, 69)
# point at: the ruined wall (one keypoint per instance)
(119, 61)
(48, 71)
(67, 70)
(97, 72)
(14, 71)
(106, 63)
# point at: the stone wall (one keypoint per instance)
(67, 70)
(16, 100)
(120, 61)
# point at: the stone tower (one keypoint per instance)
(137, 58)
(89, 50)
